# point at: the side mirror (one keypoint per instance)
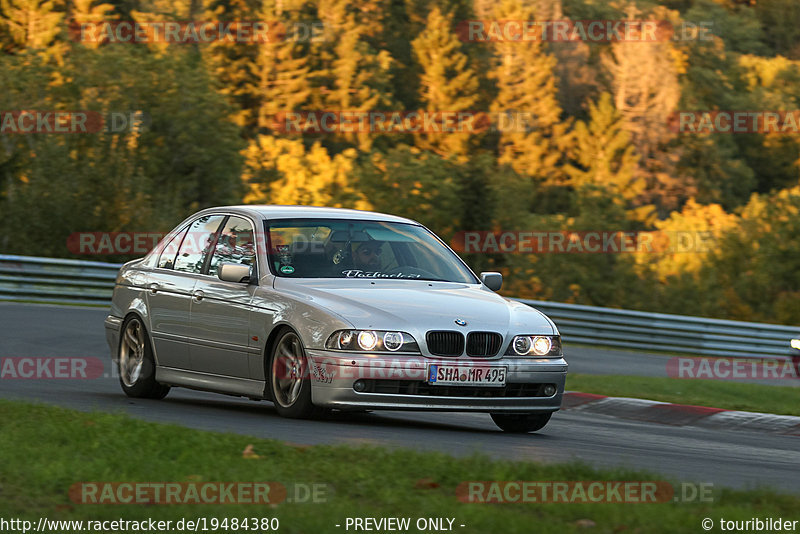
(232, 272)
(492, 280)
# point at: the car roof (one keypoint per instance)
(306, 212)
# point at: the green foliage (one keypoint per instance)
(409, 182)
(756, 262)
(781, 20)
(603, 153)
(182, 156)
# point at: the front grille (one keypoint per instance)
(483, 344)
(417, 387)
(445, 343)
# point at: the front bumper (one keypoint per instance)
(333, 374)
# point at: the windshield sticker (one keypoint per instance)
(284, 256)
(287, 269)
(358, 273)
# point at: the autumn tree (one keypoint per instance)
(526, 94)
(361, 75)
(90, 12)
(603, 154)
(31, 24)
(414, 183)
(644, 83)
(284, 171)
(280, 74)
(752, 273)
(447, 81)
(781, 19)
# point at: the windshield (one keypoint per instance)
(340, 248)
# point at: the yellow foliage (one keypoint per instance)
(283, 171)
(762, 71)
(682, 243)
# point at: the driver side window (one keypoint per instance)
(236, 244)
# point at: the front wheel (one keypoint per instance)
(137, 367)
(289, 378)
(521, 422)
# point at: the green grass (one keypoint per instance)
(44, 450)
(715, 393)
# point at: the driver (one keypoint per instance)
(367, 256)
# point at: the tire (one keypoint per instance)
(521, 423)
(289, 378)
(135, 362)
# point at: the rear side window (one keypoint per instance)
(236, 244)
(197, 244)
(167, 258)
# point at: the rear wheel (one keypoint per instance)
(289, 378)
(521, 422)
(137, 369)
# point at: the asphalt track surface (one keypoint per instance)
(736, 459)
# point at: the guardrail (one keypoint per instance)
(56, 280)
(665, 332)
(89, 282)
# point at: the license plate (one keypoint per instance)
(466, 375)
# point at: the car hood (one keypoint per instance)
(415, 305)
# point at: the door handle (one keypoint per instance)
(198, 295)
(153, 288)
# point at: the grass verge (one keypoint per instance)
(714, 393)
(45, 450)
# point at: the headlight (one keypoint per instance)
(535, 346)
(372, 340)
(522, 345)
(542, 345)
(367, 339)
(393, 340)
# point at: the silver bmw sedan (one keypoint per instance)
(320, 308)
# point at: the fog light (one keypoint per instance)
(549, 390)
(359, 385)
